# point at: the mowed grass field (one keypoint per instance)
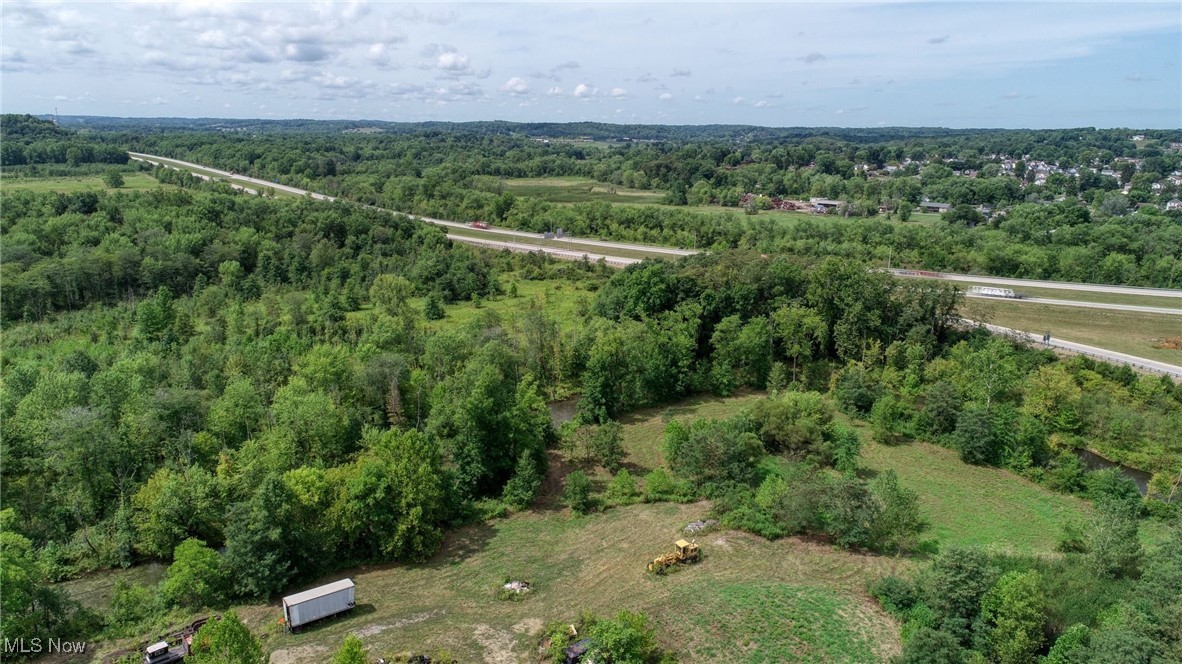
(67, 185)
(1135, 333)
(979, 506)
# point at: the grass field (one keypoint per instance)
(967, 505)
(580, 190)
(1140, 334)
(560, 299)
(66, 185)
(975, 505)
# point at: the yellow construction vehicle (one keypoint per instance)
(687, 552)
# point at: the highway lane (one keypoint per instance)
(1061, 285)
(599, 244)
(1086, 305)
(561, 254)
(1171, 370)
(167, 161)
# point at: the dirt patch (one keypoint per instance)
(401, 622)
(497, 644)
(298, 655)
(531, 626)
(1168, 343)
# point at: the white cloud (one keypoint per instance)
(738, 101)
(453, 62)
(665, 96)
(554, 91)
(515, 86)
(583, 91)
(619, 92)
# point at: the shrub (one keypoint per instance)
(622, 489)
(896, 595)
(887, 419)
(577, 495)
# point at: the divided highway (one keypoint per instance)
(1031, 283)
(568, 252)
(1086, 305)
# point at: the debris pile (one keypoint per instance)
(517, 586)
(695, 527)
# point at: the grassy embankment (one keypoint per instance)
(1153, 336)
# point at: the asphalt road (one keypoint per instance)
(1061, 285)
(1146, 364)
(1086, 305)
(557, 252)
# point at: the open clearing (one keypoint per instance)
(750, 600)
(976, 505)
(68, 185)
(1154, 336)
(580, 190)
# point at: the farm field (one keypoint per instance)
(67, 185)
(1153, 336)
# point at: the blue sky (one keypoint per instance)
(968, 64)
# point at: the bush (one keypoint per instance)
(659, 485)
(577, 495)
(1111, 485)
(793, 423)
(895, 595)
(887, 419)
(622, 489)
(928, 646)
(846, 444)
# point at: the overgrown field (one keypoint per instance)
(131, 182)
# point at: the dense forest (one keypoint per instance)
(261, 391)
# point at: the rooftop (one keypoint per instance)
(320, 591)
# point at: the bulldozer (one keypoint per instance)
(686, 553)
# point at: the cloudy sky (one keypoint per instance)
(1027, 64)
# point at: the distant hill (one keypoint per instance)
(598, 131)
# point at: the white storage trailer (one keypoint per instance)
(302, 608)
